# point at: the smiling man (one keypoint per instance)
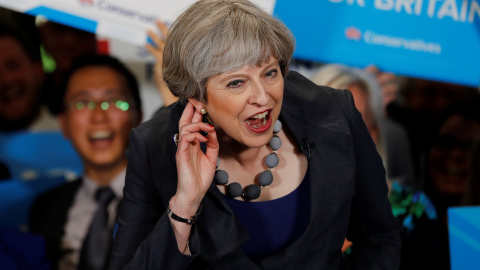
(101, 105)
(21, 77)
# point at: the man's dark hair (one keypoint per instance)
(468, 109)
(104, 61)
(8, 29)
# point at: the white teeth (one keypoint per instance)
(260, 115)
(99, 135)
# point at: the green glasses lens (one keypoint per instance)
(122, 105)
(105, 105)
(79, 105)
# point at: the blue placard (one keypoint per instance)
(17, 196)
(432, 39)
(32, 155)
(464, 237)
(37, 162)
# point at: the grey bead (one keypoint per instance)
(277, 127)
(234, 190)
(271, 160)
(275, 143)
(265, 178)
(221, 177)
(252, 192)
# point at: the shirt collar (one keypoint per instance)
(117, 184)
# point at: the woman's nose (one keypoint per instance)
(259, 95)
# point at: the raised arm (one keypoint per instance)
(146, 237)
(156, 49)
(195, 170)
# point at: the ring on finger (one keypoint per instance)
(176, 139)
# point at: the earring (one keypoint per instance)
(203, 110)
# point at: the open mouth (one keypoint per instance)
(100, 138)
(259, 122)
(10, 94)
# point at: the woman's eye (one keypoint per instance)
(234, 84)
(271, 73)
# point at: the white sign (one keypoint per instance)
(124, 20)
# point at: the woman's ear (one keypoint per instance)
(197, 104)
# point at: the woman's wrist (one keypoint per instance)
(183, 207)
(187, 220)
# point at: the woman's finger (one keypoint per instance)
(197, 116)
(195, 127)
(212, 146)
(386, 77)
(158, 41)
(163, 28)
(187, 115)
(154, 51)
(188, 139)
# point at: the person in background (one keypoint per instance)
(21, 78)
(156, 49)
(409, 205)
(471, 194)
(448, 182)
(101, 105)
(63, 44)
(388, 83)
(214, 181)
(390, 138)
(419, 103)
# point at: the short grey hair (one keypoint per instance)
(217, 36)
(341, 77)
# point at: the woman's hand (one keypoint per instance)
(157, 51)
(195, 168)
(388, 84)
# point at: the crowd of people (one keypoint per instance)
(247, 164)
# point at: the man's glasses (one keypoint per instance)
(115, 104)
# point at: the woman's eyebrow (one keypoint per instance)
(241, 73)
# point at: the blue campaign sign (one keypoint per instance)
(464, 237)
(37, 162)
(32, 155)
(431, 39)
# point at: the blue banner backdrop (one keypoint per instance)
(432, 39)
(464, 237)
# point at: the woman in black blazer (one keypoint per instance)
(215, 181)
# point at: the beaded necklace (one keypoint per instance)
(252, 192)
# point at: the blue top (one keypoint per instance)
(275, 224)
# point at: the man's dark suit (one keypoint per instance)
(49, 214)
(348, 195)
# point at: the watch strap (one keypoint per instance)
(188, 221)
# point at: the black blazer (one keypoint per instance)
(48, 215)
(348, 195)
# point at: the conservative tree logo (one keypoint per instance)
(353, 33)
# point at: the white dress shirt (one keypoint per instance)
(80, 216)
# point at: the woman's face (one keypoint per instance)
(450, 155)
(244, 104)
